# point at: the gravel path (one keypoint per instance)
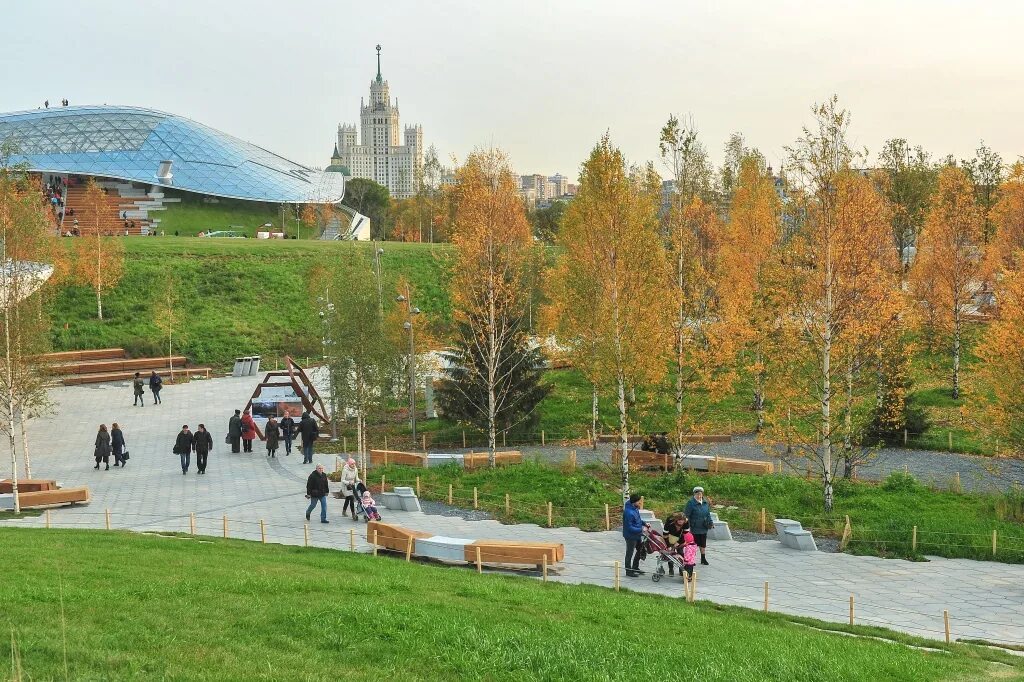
(930, 467)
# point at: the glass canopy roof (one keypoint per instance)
(130, 143)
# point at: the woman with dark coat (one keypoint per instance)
(248, 431)
(273, 434)
(117, 444)
(102, 450)
(202, 443)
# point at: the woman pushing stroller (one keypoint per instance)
(349, 479)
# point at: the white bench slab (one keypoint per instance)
(407, 499)
(443, 548)
(389, 500)
(792, 534)
(721, 530)
(647, 516)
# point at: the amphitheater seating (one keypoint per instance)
(27, 485)
(111, 364)
(474, 460)
(385, 457)
(398, 538)
(42, 499)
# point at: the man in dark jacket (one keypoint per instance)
(632, 531)
(235, 431)
(287, 432)
(155, 384)
(309, 432)
(316, 491)
(183, 448)
(202, 443)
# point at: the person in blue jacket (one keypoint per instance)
(698, 512)
(632, 531)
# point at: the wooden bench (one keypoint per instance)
(643, 459)
(475, 460)
(385, 457)
(393, 537)
(515, 552)
(27, 485)
(42, 499)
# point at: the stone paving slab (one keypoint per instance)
(985, 599)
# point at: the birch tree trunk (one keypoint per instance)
(826, 384)
(9, 417)
(759, 392)
(848, 423)
(593, 419)
(24, 444)
(956, 351)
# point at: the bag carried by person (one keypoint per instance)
(124, 456)
(227, 439)
(176, 450)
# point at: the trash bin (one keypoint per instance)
(255, 367)
(237, 371)
(246, 366)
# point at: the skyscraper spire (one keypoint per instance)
(379, 79)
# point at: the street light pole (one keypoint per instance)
(377, 252)
(326, 310)
(408, 325)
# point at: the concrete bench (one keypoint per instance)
(721, 530)
(444, 548)
(647, 516)
(792, 534)
(407, 500)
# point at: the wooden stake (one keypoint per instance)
(763, 521)
(616, 576)
(508, 505)
(956, 483)
(693, 587)
(374, 542)
(47, 518)
(382, 483)
(607, 519)
(913, 540)
(305, 535)
(766, 596)
(263, 532)
(993, 542)
(904, 436)
(106, 514)
(463, 439)
(851, 609)
(502, 439)
(950, 434)
(479, 565)
(352, 539)
(225, 527)
(542, 436)
(417, 486)
(424, 442)
(192, 523)
(549, 515)
(337, 464)
(847, 534)
(544, 567)
(945, 623)
(641, 502)
(385, 449)
(344, 444)
(476, 504)
(449, 493)
(408, 549)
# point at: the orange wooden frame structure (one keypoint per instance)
(299, 381)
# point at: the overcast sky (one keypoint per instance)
(542, 80)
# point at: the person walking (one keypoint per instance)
(137, 385)
(183, 447)
(288, 432)
(309, 432)
(155, 385)
(248, 431)
(235, 430)
(117, 445)
(349, 478)
(316, 491)
(632, 531)
(202, 443)
(698, 512)
(102, 449)
(676, 528)
(273, 434)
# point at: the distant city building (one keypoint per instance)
(380, 155)
(541, 189)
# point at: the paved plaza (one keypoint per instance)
(984, 599)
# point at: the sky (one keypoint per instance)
(540, 80)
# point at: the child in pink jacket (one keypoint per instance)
(689, 554)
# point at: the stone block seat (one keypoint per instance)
(792, 534)
(407, 500)
(445, 548)
(721, 530)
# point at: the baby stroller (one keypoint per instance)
(666, 556)
(358, 501)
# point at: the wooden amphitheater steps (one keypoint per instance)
(110, 221)
(111, 364)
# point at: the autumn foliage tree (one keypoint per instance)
(99, 260)
(998, 402)
(1008, 218)
(609, 291)
(951, 258)
(491, 236)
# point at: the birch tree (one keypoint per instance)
(610, 290)
(491, 236)
(99, 259)
(952, 254)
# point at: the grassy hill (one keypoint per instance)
(149, 607)
(191, 215)
(237, 296)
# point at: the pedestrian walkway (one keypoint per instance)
(984, 599)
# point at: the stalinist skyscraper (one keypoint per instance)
(380, 155)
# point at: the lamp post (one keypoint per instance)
(410, 327)
(377, 253)
(326, 309)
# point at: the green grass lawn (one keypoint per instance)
(191, 215)
(147, 607)
(238, 297)
(882, 515)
